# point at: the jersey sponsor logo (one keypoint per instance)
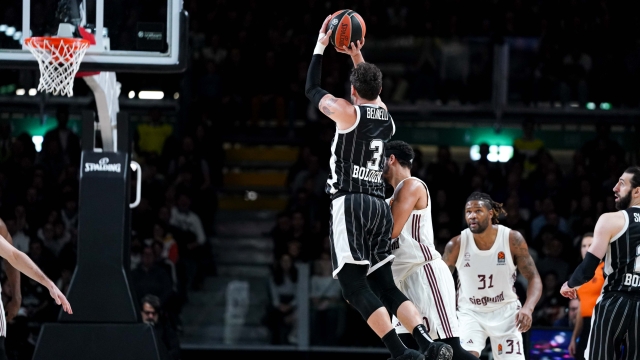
(499, 349)
(467, 256)
(102, 165)
(467, 265)
(636, 217)
(501, 258)
(363, 173)
(378, 114)
(470, 341)
(486, 300)
(631, 280)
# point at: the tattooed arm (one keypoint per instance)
(339, 110)
(451, 253)
(527, 267)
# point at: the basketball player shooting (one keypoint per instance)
(418, 269)
(361, 221)
(19, 261)
(616, 238)
(487, 256)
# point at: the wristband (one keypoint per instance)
(319, 47)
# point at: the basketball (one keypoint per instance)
(348, 27)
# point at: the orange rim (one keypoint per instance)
(39, 42)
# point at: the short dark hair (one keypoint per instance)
(635, 179)
(366, 78)
(152, 300)
(586, 235)
(402, 152)
(490, 204)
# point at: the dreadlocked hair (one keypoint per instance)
(490, 204)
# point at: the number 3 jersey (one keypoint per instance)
(485, 277)
(622, 261)
(357, 153)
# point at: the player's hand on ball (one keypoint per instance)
(568, 292)
(324, 40)
(353, 50)
(523, 320)
(60, 299)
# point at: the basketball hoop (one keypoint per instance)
(59, 60)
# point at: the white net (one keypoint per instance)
(59, 60)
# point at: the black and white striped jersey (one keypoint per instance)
(357, 153)
(622, 261)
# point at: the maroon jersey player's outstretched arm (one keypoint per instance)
(451, 253)
(527, 268)
(25, 265)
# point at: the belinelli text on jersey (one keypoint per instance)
(377, 113)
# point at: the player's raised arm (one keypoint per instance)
(404, 202)
(21, 261)
(354, 52)
(608, 225)
(13, 277)
(339, 110)
(451, 253)
(357, 58)
(527, 268)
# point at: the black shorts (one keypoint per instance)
(615, 328)
(360, 231)
(3, 352)
(584, 338)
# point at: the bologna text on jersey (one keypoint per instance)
(357, 153)
(622, 261)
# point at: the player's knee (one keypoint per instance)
(392, 298)
(386, 289)
(356, 291)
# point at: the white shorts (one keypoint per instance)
(498, 325)
(432, 291)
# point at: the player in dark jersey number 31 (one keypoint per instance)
(615, 322)
(361, 220)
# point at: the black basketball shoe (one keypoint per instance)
(438, 351)
(410, 354)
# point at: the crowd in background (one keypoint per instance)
(552, 207)
(248, 63)
(563, 53)
(169, 254)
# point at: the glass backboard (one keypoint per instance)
(137, 35)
